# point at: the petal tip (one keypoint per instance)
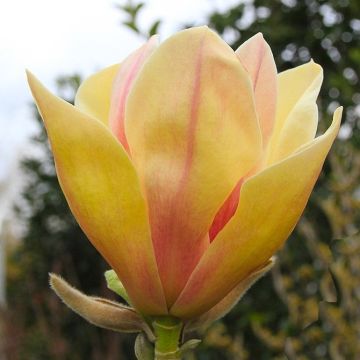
(259, 35)
(337, 116)
(200, 29)
(30, 78)
(315, 65)
(339, 110)
(33, 81)
(35, 85)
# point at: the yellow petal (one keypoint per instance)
(94, 94)
(271, 203)
(102, 189)
(297, 116)
(192, 130)
(256, 56)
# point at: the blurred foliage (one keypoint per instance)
(308, 307)
(131, 10)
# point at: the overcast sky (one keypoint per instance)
(53, 37)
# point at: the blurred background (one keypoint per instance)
(308, 307)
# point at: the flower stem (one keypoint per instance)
(167, 332)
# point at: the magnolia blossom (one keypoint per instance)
(188, 165)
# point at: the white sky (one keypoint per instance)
(52, 38)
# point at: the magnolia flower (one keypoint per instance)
(188, 166)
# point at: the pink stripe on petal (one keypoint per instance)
(226, 211)
(190, 111)
(122, 86)
(193, 121)
(165, 221)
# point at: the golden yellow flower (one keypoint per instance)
(188, 165)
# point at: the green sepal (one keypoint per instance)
(115, 285)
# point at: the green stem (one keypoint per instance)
(167, 332)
